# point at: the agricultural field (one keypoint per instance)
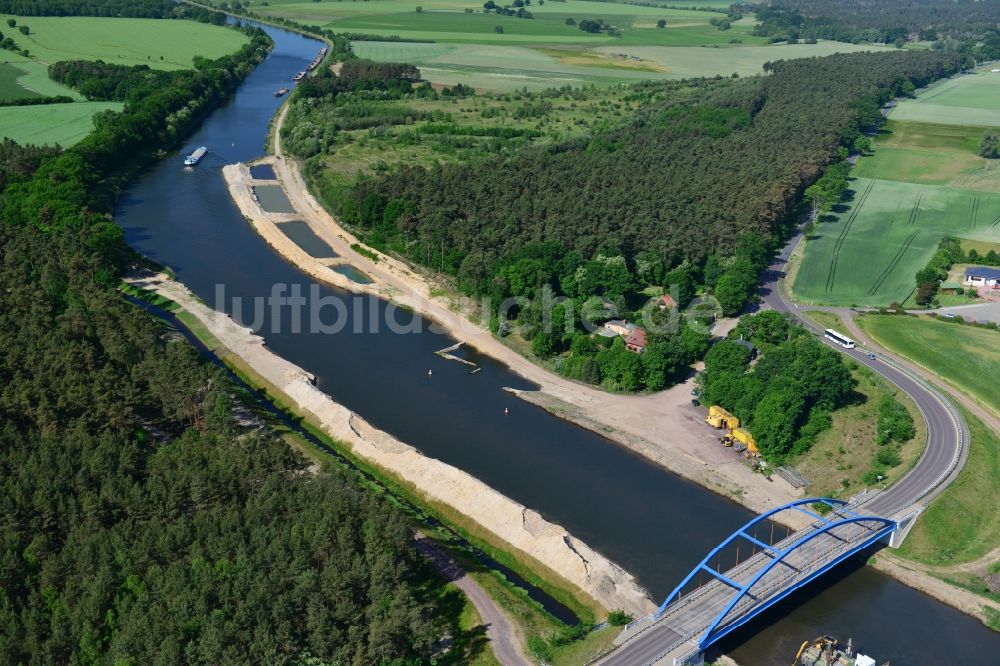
(465, 47)
(162, 44)
(62, 124)
(923, 181)
(966, 357)
(505, 68)
(869, 253)
(969, 99)
(930, 154)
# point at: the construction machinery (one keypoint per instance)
(737, 436)
(720, 418)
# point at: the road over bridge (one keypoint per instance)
(694, 616)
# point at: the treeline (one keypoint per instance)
(142, 522)
(109, 8)
(974, 24)
(786, 398)
(35, 101)
(683, 182)
(98, 80)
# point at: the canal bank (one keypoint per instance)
(518, 527)
(652, 523)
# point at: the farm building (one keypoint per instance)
(946, 287)
(980, 276)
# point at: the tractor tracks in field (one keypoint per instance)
(832, 275)
(892, 265)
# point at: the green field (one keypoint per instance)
(962, 525)
(965, 356)
(64, 124)
(924, 181)
(9, 87)
(163, 44)
(500, 67)
(869, 254)
(23, 78)
(931, 154)
(968, 99)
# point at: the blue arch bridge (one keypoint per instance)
(710, 603)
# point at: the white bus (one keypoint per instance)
(839, 338)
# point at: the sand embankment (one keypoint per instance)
(514, 524)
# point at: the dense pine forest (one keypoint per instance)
(146, 516)
(689, 193)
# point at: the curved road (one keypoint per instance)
(947, 434)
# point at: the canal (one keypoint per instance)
(651, 522)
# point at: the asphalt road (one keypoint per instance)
(943, 457)
(946, 451)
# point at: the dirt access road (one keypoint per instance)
(500, 631)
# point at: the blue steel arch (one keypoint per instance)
(713, 634)
(742, 532)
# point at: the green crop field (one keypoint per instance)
(925, 180)
(931, 154)
(22, 78)
(163, 44)
(969, 99)
(9, 87)
(967, 357)
(64, 124)
(869, 253)
(500, 67)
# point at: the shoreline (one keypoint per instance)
(695, 456)
(661, 427)
(522, 529)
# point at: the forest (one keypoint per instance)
(664, 198)
(117, 8)
(147, 517)
(970, 27)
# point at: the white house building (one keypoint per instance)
(981, 276)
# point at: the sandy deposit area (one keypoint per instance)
(523, 529)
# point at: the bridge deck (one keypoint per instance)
(685, 621)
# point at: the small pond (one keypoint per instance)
(263, 172)
(273, 199)
(351, 273)
(302, 235)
